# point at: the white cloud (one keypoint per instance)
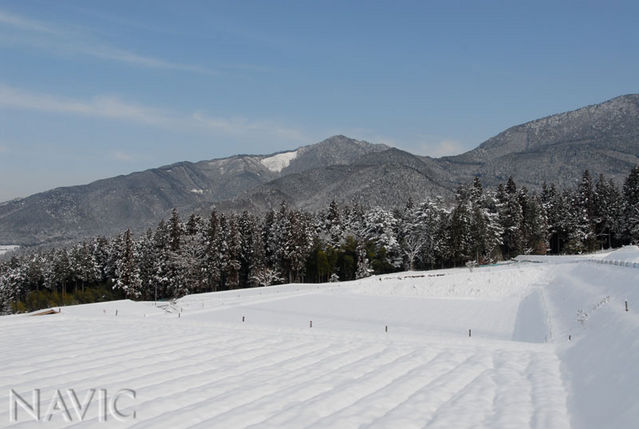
(105, 107)
(242, 125)
(445, 147)
(53, 39)
(122, 156)
(24, 23)
(109, 107)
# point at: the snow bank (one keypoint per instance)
(486, 283)
(7, 248)
(600, 362)
(625, 254)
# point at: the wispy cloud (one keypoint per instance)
(24, 23)
(445, 147)
(102, 106)
(122, 156)
(243, 125)
(109, 107)
(51, 38)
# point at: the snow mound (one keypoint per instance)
(277, 163)
(625, 254)
(7, 248)
(483, 283)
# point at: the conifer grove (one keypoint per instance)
(343, 242)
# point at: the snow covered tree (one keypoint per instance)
(296, 245)
(607, 212)
(585, 210)
(175, 231)
(534, 223)
(212, 261)
(363, 265)
(333, 225)
(233, 241)
(510, 218)
(266, 277)
(631, 206)
(146, 258)
(127, 275)
(380, 228)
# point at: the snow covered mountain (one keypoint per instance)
(603, 138)
(141, 199)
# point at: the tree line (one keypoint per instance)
(343, 242)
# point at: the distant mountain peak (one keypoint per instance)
(603, 138)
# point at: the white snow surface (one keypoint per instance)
(277, 163)
(7, 248)
(196, 364)
(625, 254)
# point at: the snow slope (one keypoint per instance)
(280, 161)
(196, 364)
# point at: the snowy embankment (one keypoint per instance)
(7, 248)
(387, 351)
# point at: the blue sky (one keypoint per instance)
(92, 89)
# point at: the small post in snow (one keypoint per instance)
(569, 337)
(179, 315)
(470, 333)
(386, 328)
(116, 312)
(626, 305)
(310, 324)
(242, 318)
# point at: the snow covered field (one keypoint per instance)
(7, 248)
(197, 364)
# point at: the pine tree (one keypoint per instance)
(607, 212)
(534, 223)
(510, 218)
(127, 275)
(585, 208)
(333, 225)
(631, 206)
(234, 254)
(175, 230)
(363, 264)
(146, 258)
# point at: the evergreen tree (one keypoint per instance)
(510, 219)
(607, 212)
(211, 266)
(127, 275)
(631, 206)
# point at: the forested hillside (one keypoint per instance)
(341, 242)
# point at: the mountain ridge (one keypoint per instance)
(557, 148)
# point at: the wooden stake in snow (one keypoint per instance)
(310, 324)
(386, 329)
(626, 305)
(242, 318)
(116, 312)
(470, 333)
